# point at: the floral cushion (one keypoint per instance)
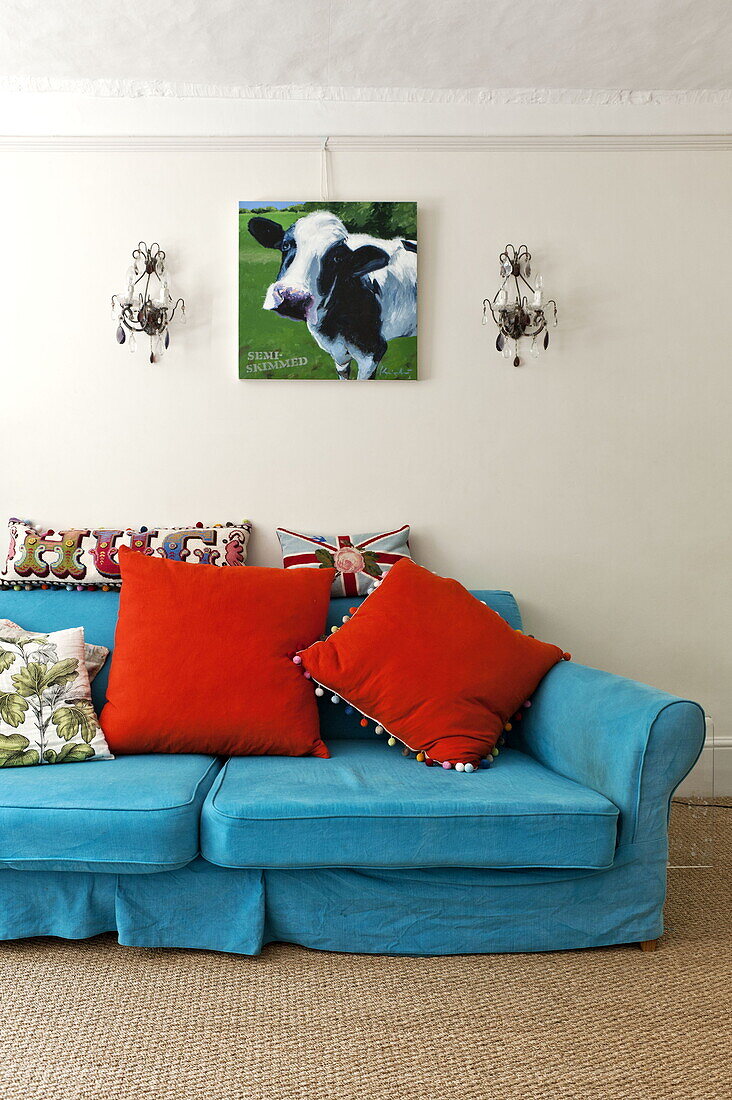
(81, 557)
(359, 560)
(94, 655)
(46, 712)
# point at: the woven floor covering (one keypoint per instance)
(95, 1021)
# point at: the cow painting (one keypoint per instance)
(354, 292)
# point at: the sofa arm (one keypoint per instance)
(630, 742)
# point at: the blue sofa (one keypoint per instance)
(563, 844)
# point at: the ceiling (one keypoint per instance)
(541, 50)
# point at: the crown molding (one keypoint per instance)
(387, 143)
(124, 88)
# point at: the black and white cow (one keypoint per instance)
(355, 292)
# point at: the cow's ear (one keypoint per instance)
(367, 258)
(268, 233)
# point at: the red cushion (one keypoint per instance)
(203, 659)
(438, 669)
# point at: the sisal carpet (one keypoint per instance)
(93, 1021)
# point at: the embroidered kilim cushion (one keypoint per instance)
(81, 557)
(358, 560)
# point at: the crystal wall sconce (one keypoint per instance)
(148, 310)
(515, 313)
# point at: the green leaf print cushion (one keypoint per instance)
(46, 712)
(94, 655)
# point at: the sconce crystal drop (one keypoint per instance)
(513, 311)
(150, 309)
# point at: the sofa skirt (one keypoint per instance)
(420, 912)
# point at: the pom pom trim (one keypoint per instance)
(407, 750)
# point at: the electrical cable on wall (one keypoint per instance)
(324, 169)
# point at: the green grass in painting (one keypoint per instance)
(262, 332)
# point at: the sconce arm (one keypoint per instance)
(180, 303)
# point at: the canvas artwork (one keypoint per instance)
(328, 290)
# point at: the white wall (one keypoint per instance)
(594, 483)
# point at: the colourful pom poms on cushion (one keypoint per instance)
(470, 767)
(297, 659)
(459, 767)
(456, 711)
(446, 765)
(420, 756)
(319, 692)
(335, 698)
(391, 742)
(378, 730)
(566, 656)
(527, 704)
(508, 727)
(364, 722)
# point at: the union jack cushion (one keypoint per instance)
(359, 560)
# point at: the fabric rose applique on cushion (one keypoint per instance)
(46, 712)
(359, 560)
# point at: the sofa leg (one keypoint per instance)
(648, 945)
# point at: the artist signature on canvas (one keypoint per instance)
(260, 362)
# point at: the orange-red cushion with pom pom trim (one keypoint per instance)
(202, 659)
(433, 665)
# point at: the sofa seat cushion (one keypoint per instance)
(369, 807)
(133, 814)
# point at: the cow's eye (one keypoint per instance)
(286, 246)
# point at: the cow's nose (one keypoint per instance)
(292, 294)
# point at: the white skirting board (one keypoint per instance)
(712, 774)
